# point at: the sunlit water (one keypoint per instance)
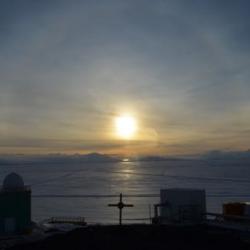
(229, 182)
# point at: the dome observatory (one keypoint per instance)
(15, 209)
(13, 181)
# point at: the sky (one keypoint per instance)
(69, 68)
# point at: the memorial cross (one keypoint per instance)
(120, 205)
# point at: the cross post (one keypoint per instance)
(120, 205)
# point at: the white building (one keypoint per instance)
(181, 205)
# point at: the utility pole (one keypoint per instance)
(120, 205)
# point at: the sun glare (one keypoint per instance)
(125, 126)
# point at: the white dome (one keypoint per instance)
(13, 181)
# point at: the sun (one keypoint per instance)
(126, 126)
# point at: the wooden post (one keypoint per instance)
(120, 205)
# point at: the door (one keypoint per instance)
(9, 225)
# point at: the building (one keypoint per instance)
(179, 205)
(241, 209)
(15, 205)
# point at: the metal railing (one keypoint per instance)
(71, 220)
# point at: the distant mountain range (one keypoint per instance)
(58, 158)
(63, 158)
(227, 156)
(97, 157)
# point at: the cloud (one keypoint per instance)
(69, 67)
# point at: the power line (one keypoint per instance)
(103, 196)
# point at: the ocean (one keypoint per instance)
(86, 189)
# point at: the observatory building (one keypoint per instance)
(180, 205)
(15, 205)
